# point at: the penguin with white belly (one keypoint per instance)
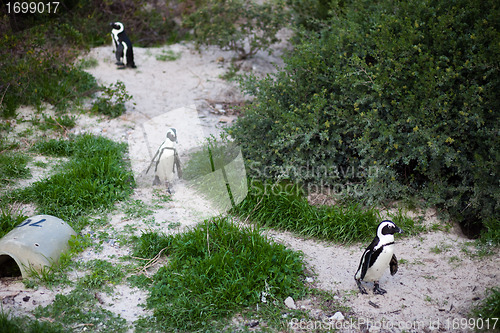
(166, 160)
(378, 256)
(122, 46)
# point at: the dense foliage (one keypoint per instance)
(238, 25)
(395, 99)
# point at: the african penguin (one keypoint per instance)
(378, 256)
(168, 160)
(122, 46)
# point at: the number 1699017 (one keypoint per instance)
(34, 7)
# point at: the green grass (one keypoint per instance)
(102, 275)
(215, 270)
(13, 166)
(95, 177)
(9, 219)
(284, 206)
(81, 309)
(489, 310)
(27, 325)
(168, 55)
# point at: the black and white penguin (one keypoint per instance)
(378, 256)
(122, 46)
(167, 160)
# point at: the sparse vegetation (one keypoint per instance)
(11, 324)
(112, 100)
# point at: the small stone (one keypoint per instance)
(26, 298)
(290, 303)
(338, 316)
(309, 279)
(225, 120)
(252, 324)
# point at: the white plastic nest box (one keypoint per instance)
(34, 244)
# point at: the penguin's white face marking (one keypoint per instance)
(172, 135)
(385, 232)
(117, 27)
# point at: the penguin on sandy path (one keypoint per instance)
(168, 160)
(378, 256)
(122, 46)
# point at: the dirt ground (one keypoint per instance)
(437, 283)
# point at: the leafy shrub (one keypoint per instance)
(400, 98)
(214, 270)
(241, 26)
(312, 14)
(112, 101)
(34, 75)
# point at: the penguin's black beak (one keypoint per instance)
(399, 230)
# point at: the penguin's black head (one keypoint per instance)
(117, 26)
(172, 135)
(387, 227)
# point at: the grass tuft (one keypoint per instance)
(489, 309)
(214, 270)
(95, 177)
(10, 324)
(13, 166)
(283, 206)
(9, 219)
(80, 308)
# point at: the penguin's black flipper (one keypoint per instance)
(366, 263)
(393, 265)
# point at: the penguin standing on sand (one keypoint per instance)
(122, 46)
(377, 257)
(168, 160)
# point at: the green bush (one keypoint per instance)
(112, 100)
(241, 26)
(38, 76)
(400, 98)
